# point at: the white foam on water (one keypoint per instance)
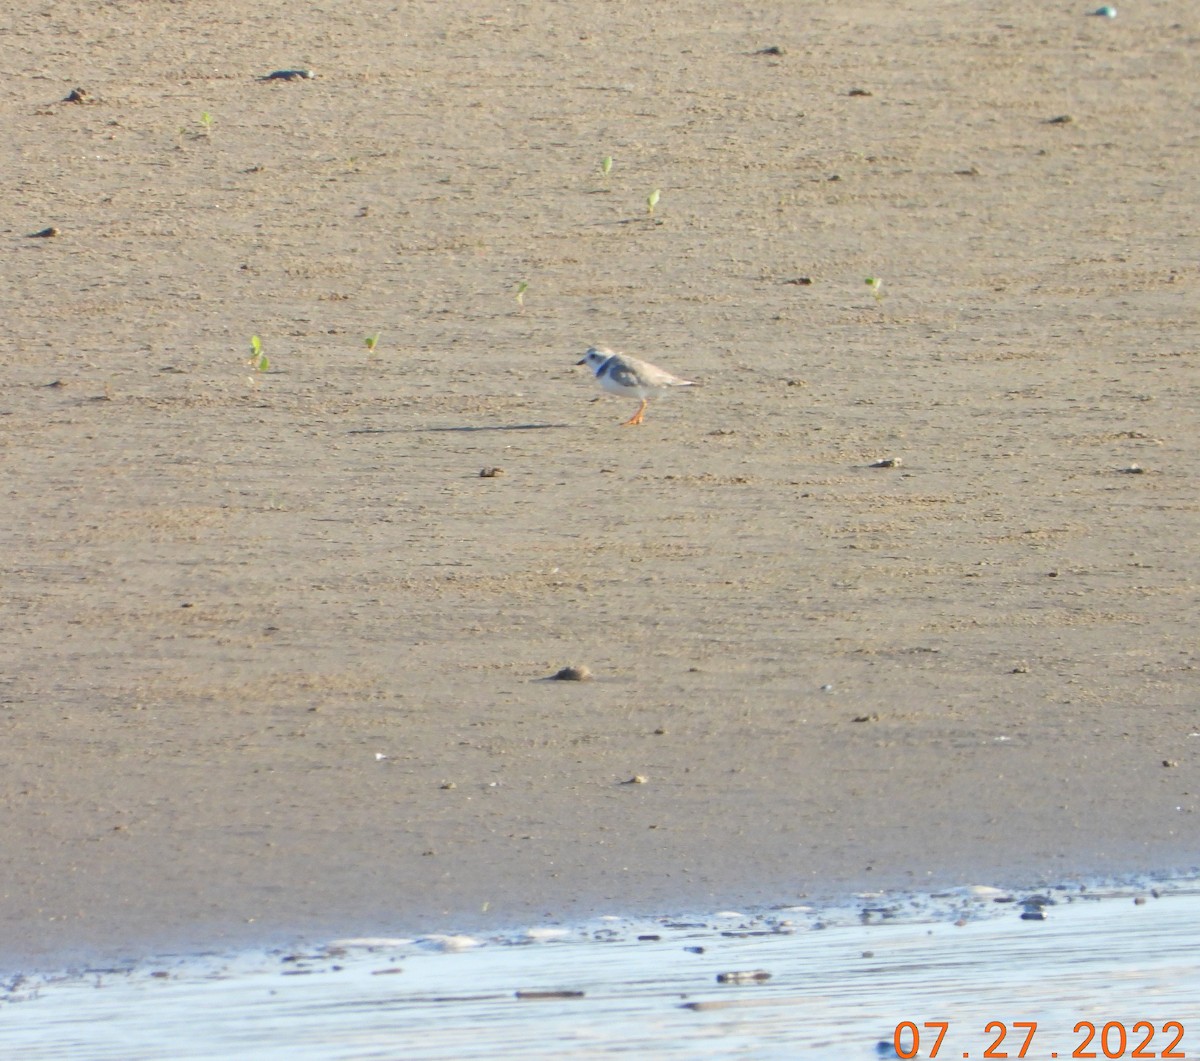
(798, 982)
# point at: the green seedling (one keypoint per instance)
(371, 341)
(874, 283)
(206, 120)
(522, 287)
(258, 360)
(606, 165)
(652, 200)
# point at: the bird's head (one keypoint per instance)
(595, 357)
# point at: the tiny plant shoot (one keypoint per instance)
(874, 283)
(372, 341)
(652, 200)
(206, 120)
(258, 360)
(522, 287)
(606, 165)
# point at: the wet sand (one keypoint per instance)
(275, 652)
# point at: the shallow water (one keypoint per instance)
(840, 981)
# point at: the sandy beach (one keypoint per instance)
(903, 595)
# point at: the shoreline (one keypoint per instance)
(662, 986)
(902, 905)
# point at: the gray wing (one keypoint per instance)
(620, 372)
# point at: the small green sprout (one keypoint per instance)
(606, 165)
(652, 200)
(874, 283)
(522, 287)
(372, 341)
(206, 120)
(258, 360)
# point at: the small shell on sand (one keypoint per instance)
(751, 976)
(449, 944)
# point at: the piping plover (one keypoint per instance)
(622, 374)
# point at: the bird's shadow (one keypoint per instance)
(454, 427)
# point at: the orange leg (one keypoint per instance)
(637, 417)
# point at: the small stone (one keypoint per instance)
(1062, 119)
(859, 92)
(544, 995)
(46, 233)
(78, 95)
(1133, 469)
(773, 49)
(637, 779)
(1168, 763)
(886, 462)
(1107, 11)
(490, 473)
(572, 674)
(447, 785)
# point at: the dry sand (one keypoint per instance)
(274, 652)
